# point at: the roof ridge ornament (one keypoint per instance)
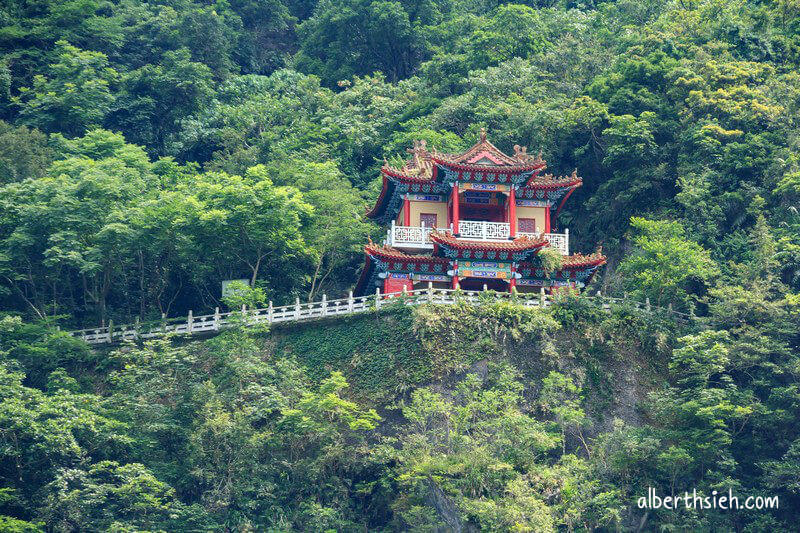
(483, 134)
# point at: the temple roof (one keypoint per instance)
(550, 182)
(485, 154)
(575, 267)
(431, 172)
(388, 253)
(482, 156)
(575, 261)
(517, 245)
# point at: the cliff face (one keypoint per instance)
(615, 357)
(510, 398)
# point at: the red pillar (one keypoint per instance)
(512, 213)
(455, 208)
(547, 219)
(513, 281)
(406, 211)
(454, 284)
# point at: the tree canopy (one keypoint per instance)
(150, 151)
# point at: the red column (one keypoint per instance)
(406, 211)
(513, 281)
(547, 219)
(455, 208)
(454, 284)
(512, 213)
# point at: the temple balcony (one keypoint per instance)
(410, 237)
(416, 237)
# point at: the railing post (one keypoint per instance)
(110, 331)
(391, 234)
(350, 302)
(430, 291)
(647, 303)
(485, 287)
(189, 322)
(297, 308)
(270, 313)
(164, 323)
(324, 305)
(377, 297)
(136, 328)
(541, 297)
(216, 319)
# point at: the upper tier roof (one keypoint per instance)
(485, 154)
(431, 172)
(482, 156)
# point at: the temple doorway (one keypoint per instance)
(476, 284)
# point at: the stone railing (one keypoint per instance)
(482, 230)
(409, 236)
(559, 241)
(210, 324)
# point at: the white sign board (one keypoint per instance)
(227, 290)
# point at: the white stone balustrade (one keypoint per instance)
(559, 241)
(419, 236)
(210, 324)
(482, 230)
(409, 236)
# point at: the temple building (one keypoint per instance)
(472, 220)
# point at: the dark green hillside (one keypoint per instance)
(150, 150)
(386, 354)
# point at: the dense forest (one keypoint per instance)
(151, 150)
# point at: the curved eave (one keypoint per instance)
(520, 244)
(387, 253)
(533, 185)
(495, 169)
(367, 274)
(571, 269)
(580, 261)
(401, 176)
(576, 261)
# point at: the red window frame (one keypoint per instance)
(435, 217)
(526, 225)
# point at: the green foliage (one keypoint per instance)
(550, 259)
(247, 137)
(379, 353)
(665, 263)
(24, 153)
(468, 451)
(243, 295)
(388, 40)
(73, 96)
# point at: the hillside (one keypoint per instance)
(488, 417)
(153, 151)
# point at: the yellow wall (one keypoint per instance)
(438, 208)
(532, 212)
